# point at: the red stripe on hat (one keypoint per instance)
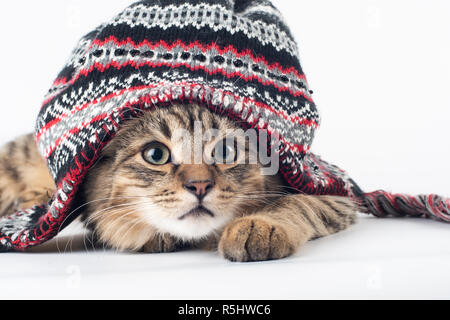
(202, 47)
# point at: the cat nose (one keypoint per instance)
(199, 188)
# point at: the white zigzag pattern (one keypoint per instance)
(266, 34)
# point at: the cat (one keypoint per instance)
(142, 195)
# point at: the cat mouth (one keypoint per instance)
(199, 211)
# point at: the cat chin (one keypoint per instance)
(189, 229)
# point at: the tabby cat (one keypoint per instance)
(143, 195)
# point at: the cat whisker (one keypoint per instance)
(123, 209)
(115, 210)
(95, 201)
(138, 221)
(261, 200)
(129, 213)
(111, 211)
(298, 191)
(264, 194)
(90, 220)
(108, 199)
(112, 225)
(261, 195)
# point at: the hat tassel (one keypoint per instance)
(383, 204)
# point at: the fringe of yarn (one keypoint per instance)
(383, 204)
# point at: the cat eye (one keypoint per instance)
(225, 152)
(157, 154)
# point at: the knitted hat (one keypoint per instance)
(236, 57)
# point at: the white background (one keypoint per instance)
(381, 75)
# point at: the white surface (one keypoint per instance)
(381, 75)
(378, 259)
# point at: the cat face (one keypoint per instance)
(173, 171)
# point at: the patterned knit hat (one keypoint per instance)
(236, 57)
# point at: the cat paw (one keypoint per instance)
(254, 239)
(162, 244)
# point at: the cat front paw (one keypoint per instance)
(255, 239)
(162, 244)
